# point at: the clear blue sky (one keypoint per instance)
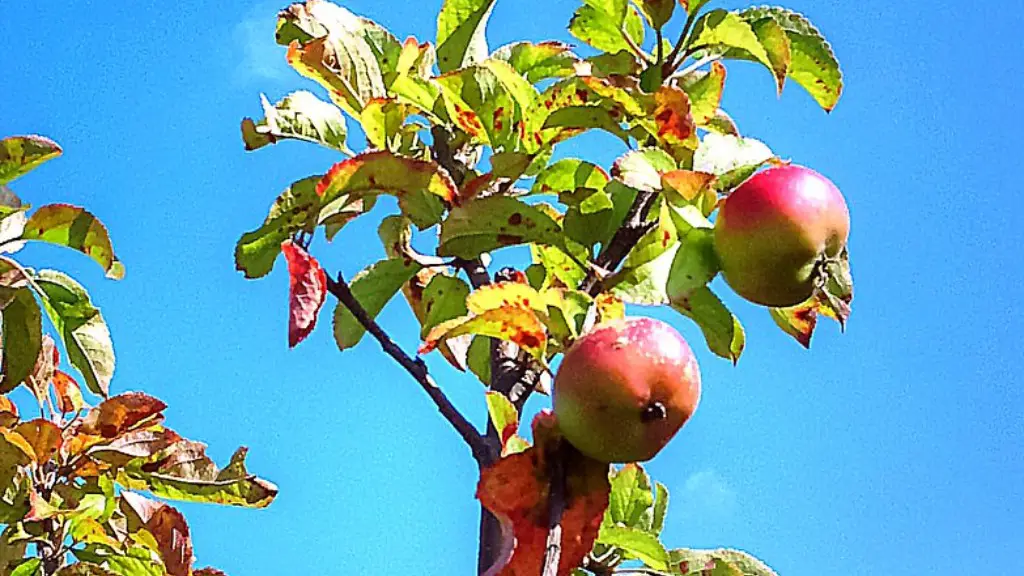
(895, 448)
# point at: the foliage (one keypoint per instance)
(464, 139)
(70, 479)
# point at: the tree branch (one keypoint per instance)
(415, 367)
(556, 506)
(670, 64)
(632, 230)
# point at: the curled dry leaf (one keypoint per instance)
(117, 415)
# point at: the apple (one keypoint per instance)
(625, 388)
(778, 233)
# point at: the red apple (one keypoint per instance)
(776, 232)
(624, 389)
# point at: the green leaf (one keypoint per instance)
(485, 224)
(84, 569)
(577, 183)
(20, 155)
(725, 562)
(190, 476)
(479, 359)
(721, 30)
(694, 265)
(485, 106)
(602, 25)
(81, 327)
(645, 284)
(383, 120)
(705, 91)
(574, 118)
(136, 561)
(630, 497)
(812, 64)
(559, 265)
(294, 210)
(418, 184)
(301, 116)
(637, 544)
(798, 321)
(22, 339)
(657, 12)
(642, 169)
(722, 330)
(660, 508)
(776, 44)
(540, 61)
(567, 312)
(27, 568)
(75, 228)
(732, 159)
(502, 412)
(599, 227)
(444, 298)
(462, 33)
(373, 288)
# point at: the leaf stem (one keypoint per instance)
(416, 368)
(699, 63)
(681, 43)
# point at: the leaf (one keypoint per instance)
(812, 63)
(636, 543)
(674, 121)
(382, 120)
(721, 562)
(732, 159)
(693, 6)
(694, 265)
(68, 393)
(444, 299)
(705, 90)
(642, 169)
(510, 323)
(657, 12)
(81, 327)
(577, 183)
(478, 359)
(43, 436)
(343, 63)
(502, 294)
(682, 188)
(798, 321)
(122, 413)
(20, 155)
(505, 418)
(295, 210)
(144, 443)
(170, 530)
(416, 183)
(485, 224)
(191, 476)
(561, 269)
(567, 313)
(39, 379)
(300, 116)
(12, 221)
(602, 25)
(721, 29)
(645, 284)
(482, 105)
(7, 406)
(461, 33)
(722, 330)
(373, 288)
(22, 339)
(660, 508)
(630, 497)
(29, 567)
(307, 290)
(515, 490)
(84, 569)
(74, 228)
(540, 61)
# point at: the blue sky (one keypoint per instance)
(895, 448)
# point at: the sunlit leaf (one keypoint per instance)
(22, 339)
(489, 223)
(301, 116)
(512, 323)
(12, 221)
(674, 121)
(343, 63)
(657, 12)
(660, 508)
(682, 188)
(642, 169)
(722, 330)
(637, 544)
(416, 183)
(75, 228)
(81, 327)
(539, 61)
(705, 91)
(732, 159)
(85, 569)
(720, 562)
(307, 290)
(602, 25)
(444, 298)
(461, 33)
(630, 497)
(68, 393)
(798, 321)
(695, 264)
(645, 284)
(382, 120)
(43, 436)
(721, 29)
(373, 288)
(122, 413)
(22, 154)
(295, 210)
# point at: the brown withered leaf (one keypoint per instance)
(68, 393)
(120, 414)
(44, 437)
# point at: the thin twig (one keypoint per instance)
(556, 506)
(415, 367)
(703, 61)
(670, 60)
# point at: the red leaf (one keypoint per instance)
(168, 528)
(307, 291)
(516, 489)
(117, 415)
(69, 393)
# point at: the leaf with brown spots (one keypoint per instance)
(516, 488)
(342, 63)
(75, 228)
(798, 321)
(719, 562)
(704, 88)
(42, 374)
(500, 294)
(382, 120)
(505, 418)
(296, 209)
(486, 224)
(577, 183)
(68, 393)
(307, 290)
(20, 155)
(418, 184)
(43, 436)
(511, 323)
(122, 413)
(484, 106)
(609, 307)
(539, 61)
(144, 444)
(673, 118)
